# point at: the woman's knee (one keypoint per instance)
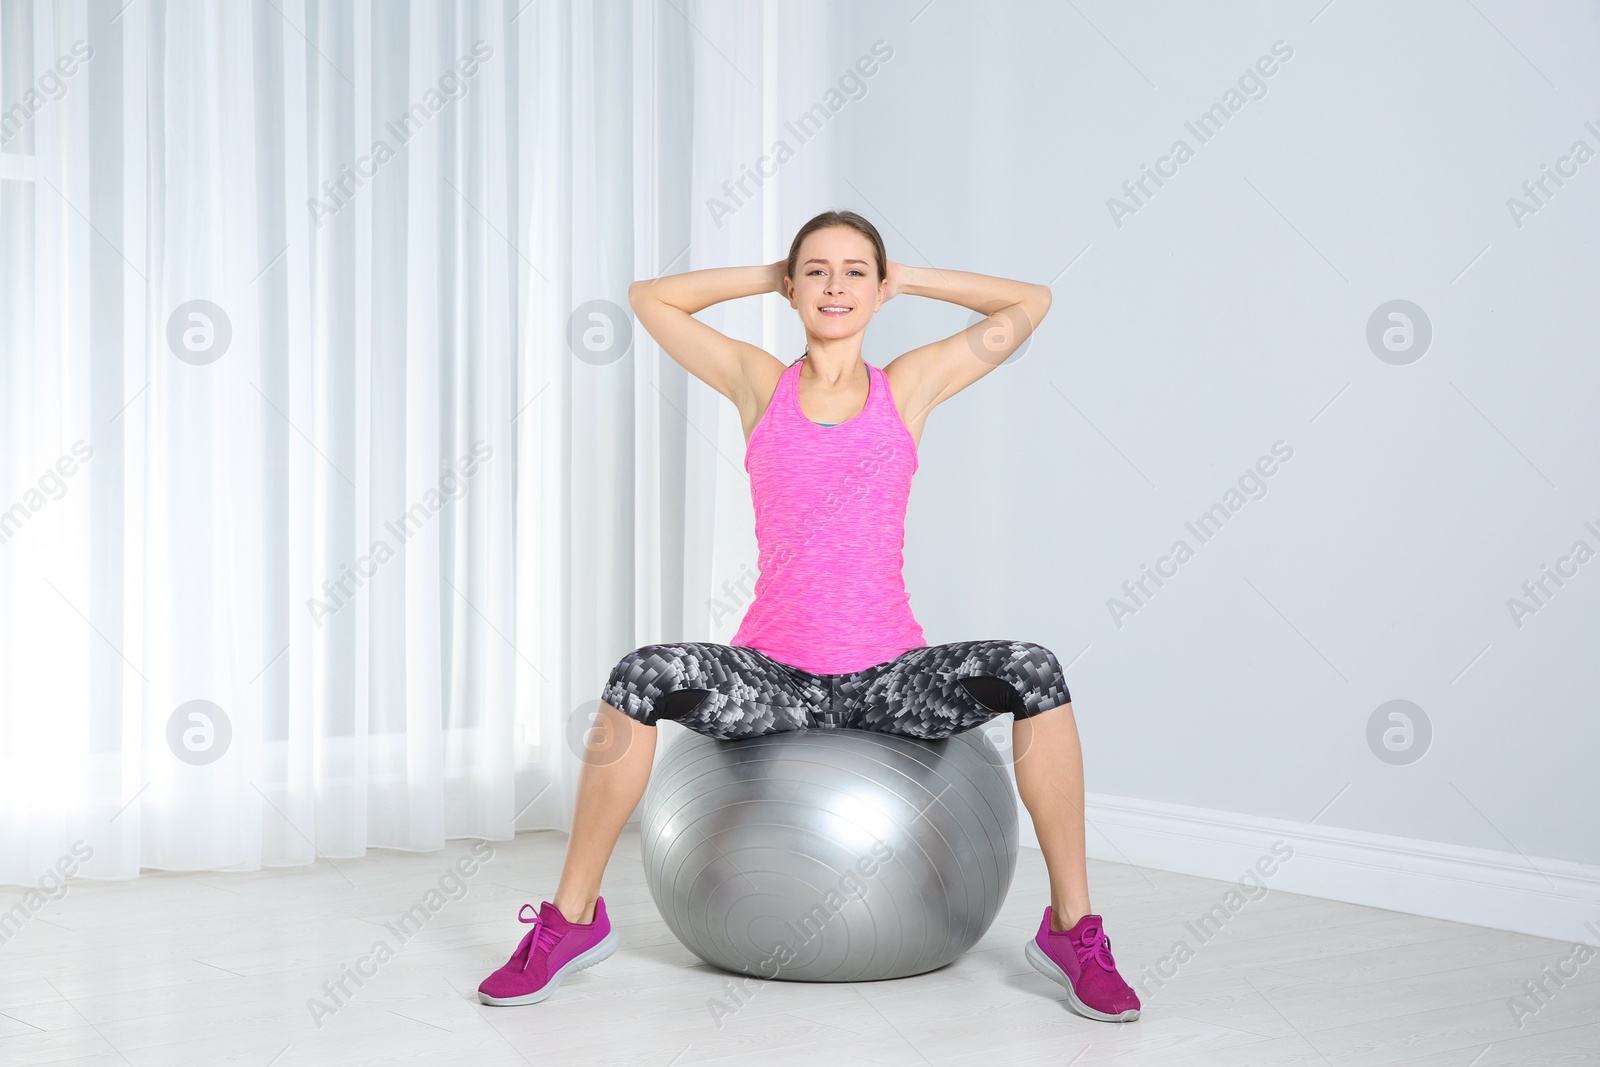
(641, 678)
(1040, 680)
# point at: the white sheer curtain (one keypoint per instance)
(317, 533)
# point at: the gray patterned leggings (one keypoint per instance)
(729, 691)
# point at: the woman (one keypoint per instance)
(830, 640)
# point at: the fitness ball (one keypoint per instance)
(829, 854)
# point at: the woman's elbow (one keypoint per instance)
(1041, 301)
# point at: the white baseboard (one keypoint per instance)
(1503, 890)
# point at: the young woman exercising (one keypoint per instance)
(830, 640)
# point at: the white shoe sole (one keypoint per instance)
(1052, 970)
(605, 948)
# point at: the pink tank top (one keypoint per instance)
(830, 506)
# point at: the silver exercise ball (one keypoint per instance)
(829, 854)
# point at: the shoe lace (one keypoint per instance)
(1094, 945)
(540, 938)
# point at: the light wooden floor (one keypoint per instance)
(206, 969)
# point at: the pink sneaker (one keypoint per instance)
(553, 949)
(1080, 959)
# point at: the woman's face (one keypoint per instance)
(837, 268)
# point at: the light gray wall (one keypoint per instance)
(1230, 313)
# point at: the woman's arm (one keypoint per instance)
(935, 372)
(666, 306)
(978, 292)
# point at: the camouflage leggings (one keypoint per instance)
(730, 691)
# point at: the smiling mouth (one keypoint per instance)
(834, 309)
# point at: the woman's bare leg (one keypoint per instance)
(618, 755)
(1049, 768)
